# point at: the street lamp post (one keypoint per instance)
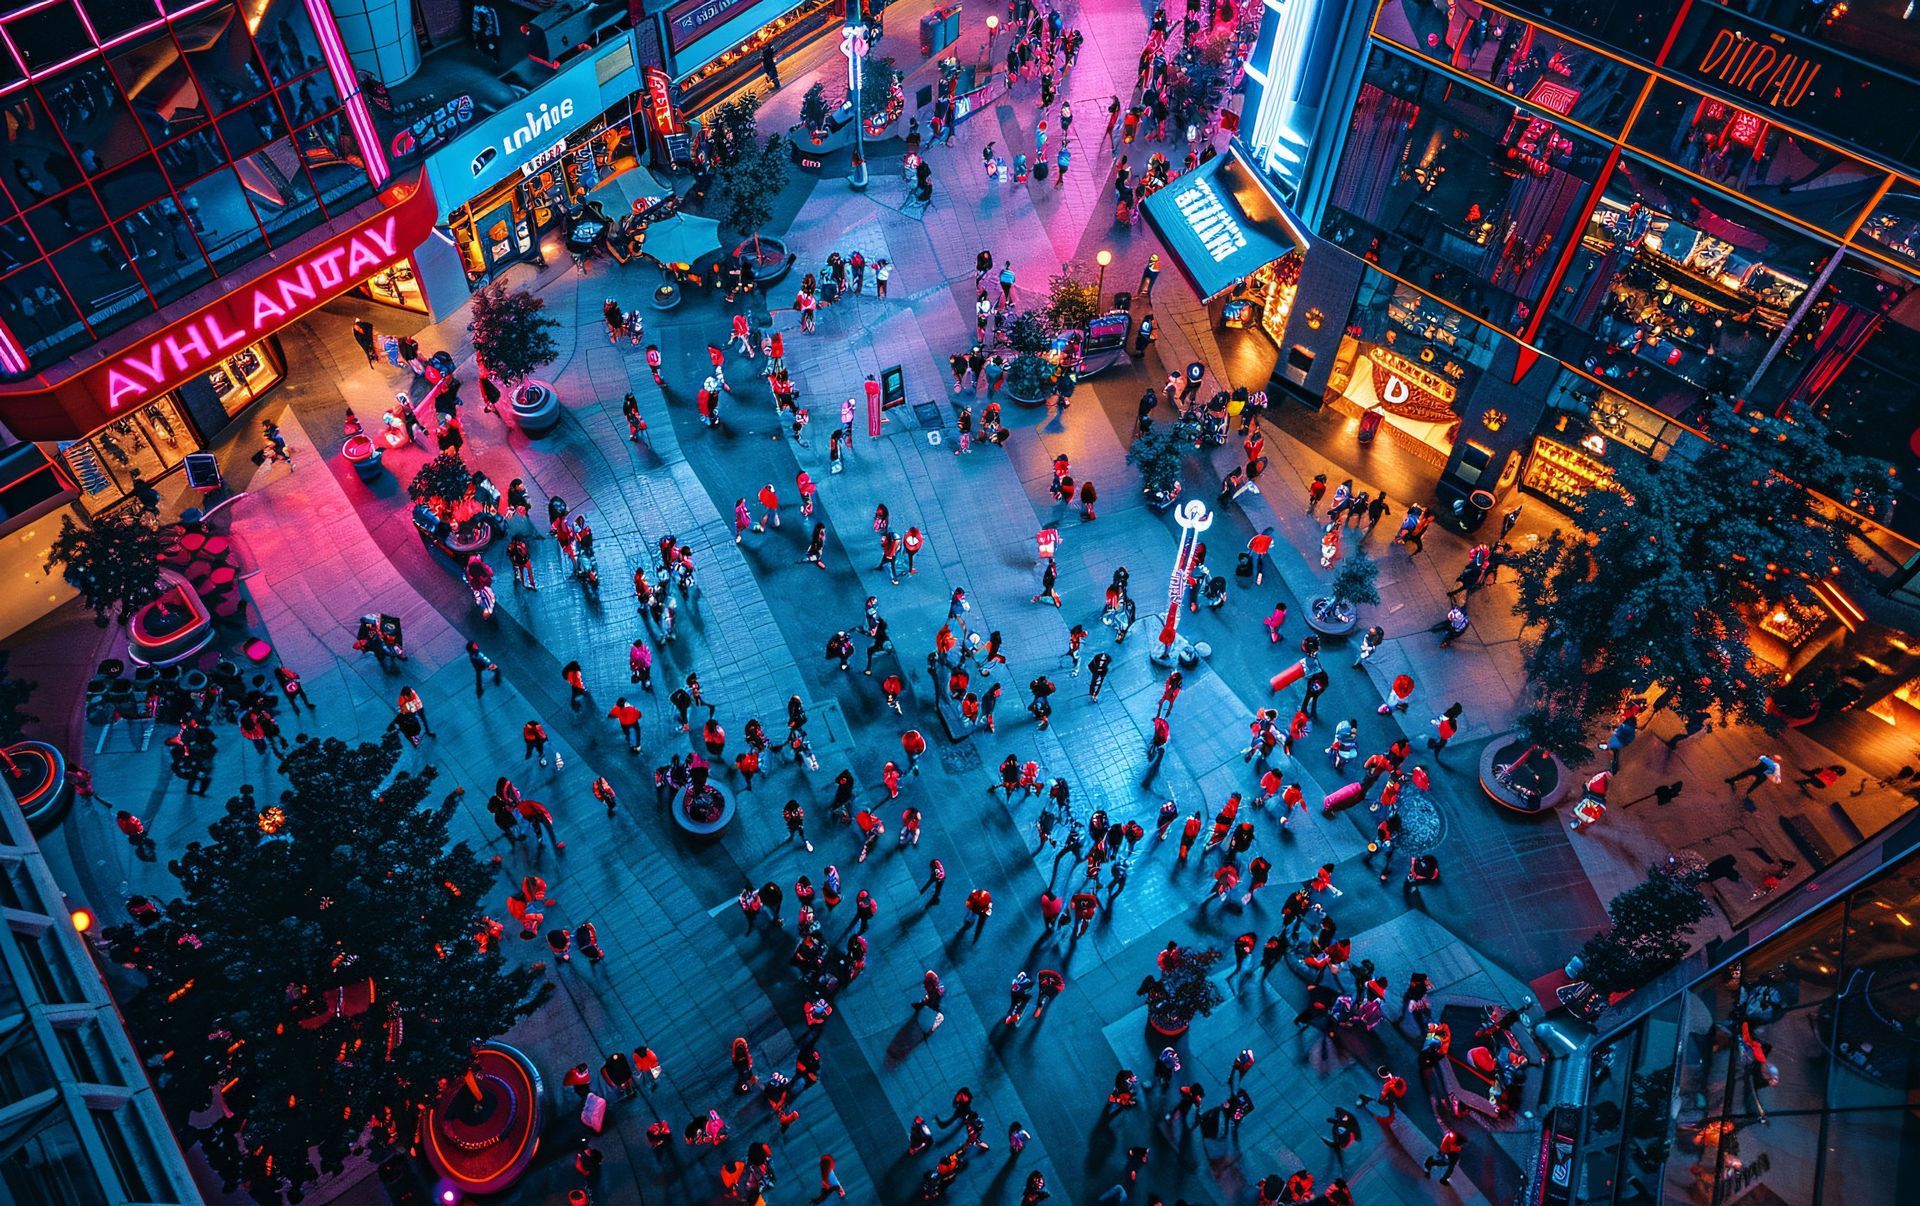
(1193, 518)
(853, 44)
(993, 29)
(1103, 257)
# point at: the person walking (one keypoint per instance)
(1447, 1157)
(1445, 726)
(1765, 769)
(1622, 736)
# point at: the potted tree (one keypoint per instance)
(748, 188)
(1186, 990)
(114, 562)
(815, 121)
(1071, 303)
(1156, 454)
(1030, 376)
(881, 100)
(1651, 928)
(1527, 770)
(442, 494)
(1337, 613)
(513, 338)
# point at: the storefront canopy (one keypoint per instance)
(1221, 223)
(682, 239)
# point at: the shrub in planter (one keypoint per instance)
(1352, 585)
(113, 561)
(814, 111)
(1650, 932)
(442, 482)
(1031, 374)
(1071, 303)
(1187, 990)
(1157, 456)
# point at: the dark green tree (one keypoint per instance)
(1187, 985)
(321, 970)
(1157, 456)
(1353, 583)
(511, 333)
(814, 109)
(1661, 574)
(1651, 926)
(750, 185)
(1031, 373)
(441, 482)
(112, 560)
(733, 132)
(14, 693)
(879, 78)
(1196, 80)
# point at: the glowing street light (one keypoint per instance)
(993, 30)
(1103, 257)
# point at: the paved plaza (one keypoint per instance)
(684, 973)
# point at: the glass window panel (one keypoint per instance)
(193, 156)
(217, 209)
(110, 18)
(286, 40)
(1872, 1159)
(249, 129)
(131, 186)
(158, 86)
(129, 1149)
(1636, 26)
(1519, 58)
(221, 54)
(65, 218)
(1461, 192)
(339, 171)
(282, 195)
(49, 36)
(24, 1070)
(307, 99)
(1744, 152)
(16, 246)
(98, 278)
(1675, 291)
(37, 164)
(50, 1168)
(1893, 228)
(38, 313)
(87, 106)
(162, 243)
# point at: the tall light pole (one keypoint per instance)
(993, 29)
(853, 44)
(1103, 257)
(1193, 518)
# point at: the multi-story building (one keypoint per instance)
(79, 1122)
(1574, 223)
(1775, 1066)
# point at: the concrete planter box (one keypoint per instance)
(1543, 784)
(1331, 622)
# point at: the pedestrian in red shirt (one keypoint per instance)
(1188, 835)
(1051, 906)
(915, 745)
(1085, 905)
(979, 908)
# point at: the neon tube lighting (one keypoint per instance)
(340, 66)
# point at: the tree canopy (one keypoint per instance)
(327, 967)
(512, 335)
(1652, 924)
(1658, 579)
(750, 184)
(113, 561)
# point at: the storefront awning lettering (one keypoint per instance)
(1220, 223)
(289, 285)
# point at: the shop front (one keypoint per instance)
(1233, 241)
(155, 395)
(510, 180)
(713, 47)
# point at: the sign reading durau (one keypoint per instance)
(195, 344)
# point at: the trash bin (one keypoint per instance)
(1123, 300)
(939, 29)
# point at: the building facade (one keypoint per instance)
(1777, 1066)
(79, 1122)
(1575, 223)
(158, 155)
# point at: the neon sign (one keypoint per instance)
(197, 343)
(1769, 74)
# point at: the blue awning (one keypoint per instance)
(1220, 223)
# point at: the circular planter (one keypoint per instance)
(771, 267)
(1331, 625)
(1023, 396)
(484, 1144)
(666, 297)
(36, 773)
(703, 811)
(172, 628)
(1168, 1024)
(1541, 782)
(536, 408)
